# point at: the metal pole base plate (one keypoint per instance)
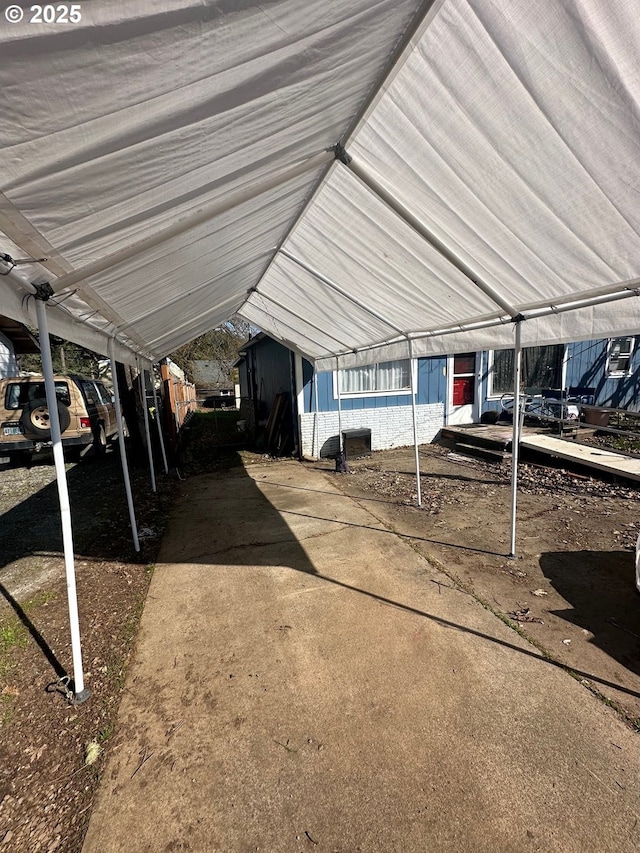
(79, 698)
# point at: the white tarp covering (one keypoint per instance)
(510, 130)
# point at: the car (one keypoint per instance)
(86, 411)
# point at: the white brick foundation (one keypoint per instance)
(390, 427)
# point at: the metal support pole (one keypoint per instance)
(145, 412)
(317, 424)
(339, 406)
(415, 423)
(123, 451)
(160, 435)
(515, 440)
(80, 693)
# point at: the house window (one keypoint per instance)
(541, 368)
(619, 356)
(388, 377)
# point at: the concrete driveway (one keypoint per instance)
(304, 680)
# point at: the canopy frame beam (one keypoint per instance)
(345, 293)
(158, 421)
(294, 314)
(421, 229)
(414, 394)
(632, 289)
(515, 440)
(177, 299)
(145, 412)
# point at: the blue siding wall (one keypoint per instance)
(432, 385)
(432, 380)
(587, 368)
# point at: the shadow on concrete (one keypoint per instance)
(467, 630)
(262, 537)
(248, 530)
(600, 586)
(408, 536)
(259, 535)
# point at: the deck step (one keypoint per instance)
(477, 452)
(470, 437)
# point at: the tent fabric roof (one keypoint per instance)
(508, 131)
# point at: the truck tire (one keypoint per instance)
(35, 420)
(99, 441)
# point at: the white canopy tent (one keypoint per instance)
(358, 179)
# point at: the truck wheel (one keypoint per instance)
(100, 441)
(36, 421)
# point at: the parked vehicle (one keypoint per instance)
(85, 408)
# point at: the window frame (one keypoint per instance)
(358, 395)
(619, 374)
(496, 395)
(63, 393)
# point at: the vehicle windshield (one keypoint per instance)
(20, 394)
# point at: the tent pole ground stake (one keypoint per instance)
(415, 423)
(123, 451)
(515, 440)
(160, 436)
(145, 411)
(80, 692)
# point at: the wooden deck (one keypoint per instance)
(532, 439)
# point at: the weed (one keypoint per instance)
(12, 634)
(6, 708)
(38, 600)
(106, 732)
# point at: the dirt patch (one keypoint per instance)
(47, 784)
(571, 588)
